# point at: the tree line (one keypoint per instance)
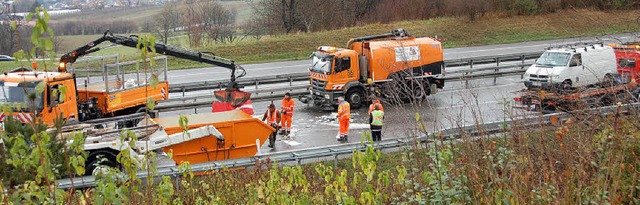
(286, 16)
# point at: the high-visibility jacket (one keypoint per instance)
(287, 106)
(376, 117)
(344, 110)
(373, 104)
(272, 117)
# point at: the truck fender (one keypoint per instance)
(354, 84)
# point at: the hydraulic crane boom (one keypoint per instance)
(132, 41)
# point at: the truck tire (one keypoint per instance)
(100, 158)
(417, 91)
(355, 97)
(566, 87)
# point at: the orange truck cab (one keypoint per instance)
(60, 96)
(628, 58)
(382, 65)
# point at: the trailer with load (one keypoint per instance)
(550, 82)
(382, 65)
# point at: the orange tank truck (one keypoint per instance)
(384, 65)
(238, 129)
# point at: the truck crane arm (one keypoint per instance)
(230, 94)
(132, 41)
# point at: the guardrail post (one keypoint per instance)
(290, 81)
(495, 79)
(522, 67)
(466, 82)
(183, 91)
(256, 85)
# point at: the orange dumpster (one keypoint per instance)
(239, 130)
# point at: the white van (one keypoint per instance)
(573, 67)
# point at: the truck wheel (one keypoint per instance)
(355, 97)
(102, 158)
(565, 86)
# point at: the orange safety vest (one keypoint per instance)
(373, 105)
(287, 105)
(272, 117)
(344, 110)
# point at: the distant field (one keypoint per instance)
(141, 14)
(457, 32)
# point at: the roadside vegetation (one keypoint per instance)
(589, 159)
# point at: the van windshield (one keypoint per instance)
(16, 95)
(552, 59)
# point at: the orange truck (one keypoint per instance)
(394, 64)
(60, 96)
(628, 58)
(109, 98)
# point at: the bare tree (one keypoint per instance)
(281, 12)
(167, 22)
(217, 21)
(192, 22)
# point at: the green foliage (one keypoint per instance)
(41, 36)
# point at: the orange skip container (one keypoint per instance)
(239, 129)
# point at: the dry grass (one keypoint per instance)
(456, 31)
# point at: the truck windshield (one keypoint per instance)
(16, 96)
(321, 63)
(552, 59)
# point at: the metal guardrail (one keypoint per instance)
(335, 151)
(463, 75)
(304, 76)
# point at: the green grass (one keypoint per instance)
(456, 31)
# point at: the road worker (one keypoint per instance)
(375, 121)
(287, 113)
(375, 102)
(344, 115)
(272, 117)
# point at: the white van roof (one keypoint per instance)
(580, 49)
